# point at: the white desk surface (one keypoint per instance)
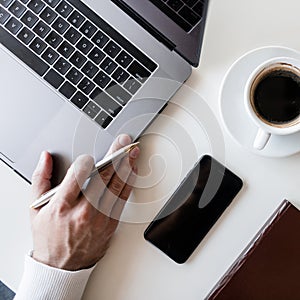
(132, 268)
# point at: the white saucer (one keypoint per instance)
(237, 121)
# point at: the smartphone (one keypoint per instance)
(193, 209)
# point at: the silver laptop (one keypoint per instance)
(74, 74)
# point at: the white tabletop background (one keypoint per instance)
(132, 268)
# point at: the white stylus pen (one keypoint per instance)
(100, 166)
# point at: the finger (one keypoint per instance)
(42, 175)
(133, 155)
(115, 187)
(107, 174)
(129, 185)
(98, 184)
(76, 176)
(97, 192)
(118, 182)
(121, 141)
(121, 201)
(94, 191)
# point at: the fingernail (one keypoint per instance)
(41, 160)
(124, 140)
(42, 157)
(134, 153)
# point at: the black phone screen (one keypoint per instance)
(193, 209)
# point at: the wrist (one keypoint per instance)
(68, 264)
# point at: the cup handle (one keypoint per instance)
(261, 139)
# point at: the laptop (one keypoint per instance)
(76, 73)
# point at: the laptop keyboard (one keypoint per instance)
(83, 58)
(185, 13)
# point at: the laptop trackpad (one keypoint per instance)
(34, 118)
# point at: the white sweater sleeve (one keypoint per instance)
(43, 282)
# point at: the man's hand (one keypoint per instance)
(73, 230)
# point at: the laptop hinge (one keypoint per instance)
(145, 24)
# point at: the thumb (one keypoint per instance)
(42, 175)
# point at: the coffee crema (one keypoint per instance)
(275, 95)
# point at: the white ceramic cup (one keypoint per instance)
(266, 128)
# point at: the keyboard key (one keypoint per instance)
(112, 49)
(6, 3)
(50, 56)
(72, 35)
(24, 1)
(13, 25)
(48, 15)
(132, 86)
(36, 6)
(78, 59)
(23, 53)
(106, 102)
(198, 8)
(86, 86)
(29, 19)
(62, 66)
(84, 45)
(38, 46)
(138, 72)
(51, 3)
(74, 76)
(67, 89)
(54, 79)
(142, 58)
(90, 69)
(60, 25)
(53, 39)
(189, 15)
(175, 4)
(103, 119)
(118, 93)
(4, 15)
(91, 109)
(120, 75)
(17, 9)
(100, 39)
(41, 29)
(102, 79)
(79, 100)
(65, 49)
(124, 59)
(76, 19)
(96, 55)
(108, 65)
(25, 36)
(64, 9)
(88, 29)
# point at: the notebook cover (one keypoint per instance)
(269, 267)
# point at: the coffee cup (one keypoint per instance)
(272, 99)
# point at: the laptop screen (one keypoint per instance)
(179, 24)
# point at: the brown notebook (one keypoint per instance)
(269, 267)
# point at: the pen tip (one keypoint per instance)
(132, 146)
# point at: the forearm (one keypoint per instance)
(40, 281)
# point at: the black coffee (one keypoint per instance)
(277, 97)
